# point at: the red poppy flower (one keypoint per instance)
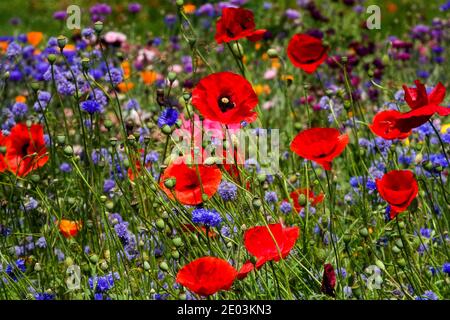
(70, 228)
(245, 270)
(3, 165)
(235, 24)
(187, 187)
(25, 149)
(423, 105)
(205, 276)
(259, 241)
(225, 97)
(306, 52)
(313, 200)
(132, 174)
(398, 188)
(191, 228)
(388, 125)
(320, 145)
(328, 280)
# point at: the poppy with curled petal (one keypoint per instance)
(25, 149)
(235, 24)
(69, 228)
(207, 275)
(328, 280)
(308, 193)
(246, 268)
(188, 187)
(306, 52)
(388, 125)
(320, 145)
(398, 188)
(423, 105)
(270, 243)
(225, 97)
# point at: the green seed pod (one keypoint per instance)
(35, 178)
(205, 197)
(160, 224)
(61, 139)
(62, 41)
(37, 267)
(146, 266)
(347, 104)
(402, 225)
(347, 237)
(401, 262)
(85, 63)
(109, 205)
(177, 242)
(166, 129)
(256, 203)
(399, 243)
(164, 266)
(302, 200)
(98, 27)
(298, 126)
(261, 177)
(396, 249)
(2, 149)
(182, 296)
(104, 265)
(237, 49)
(170, 182)
(108, 124)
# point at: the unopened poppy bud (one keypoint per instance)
(177, 242)
(238, 50)
(85, 63)
(98, 26)
(6, 75)
(399, 243)
(113, 141)
(257, 203)
(164, 266)
(108, 124)
(62, 41)
(61, 139)
(272, 53)
(166, 129)
(363, 232)
(347, 104)
(205, 197)
(187, 96)
(68, 262)
(2, 149)
(347, 237)
(293, 178)
(170, 183)
(68, 150)
(180, 3)
(385, 59)
(298, 126)
(175, 254)
(93, 258)
(401, 262)
(160, 224)
(172, 76)
(35, 178)
(182, 296)
(51, 58)
(261, 177)
(104, 265)
(35, 86)
(370, 73)
(109, 205)
(402, 225)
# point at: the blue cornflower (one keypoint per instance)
(30, 204)
(44, 296)
(210, 218)
(285, 207)
(91, 106)
(168, 117)
(425, 232)
(151, 157)
(227, 191)
(87, 32)
(108, 185)
(65, 167)
(13, 50)
(19, 109)
(122, 231)
(428, 295)
(116, 76)
(271, 196)
(446, 268)
(132, 104)
(41, 243)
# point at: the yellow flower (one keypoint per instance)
(445, 127)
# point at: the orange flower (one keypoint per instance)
(126, 69)
(70, 228)
(125, 87)
(3, 46)
(34, 38)
(189, 8)
(21, 99)
(148, 77)
(69, 47)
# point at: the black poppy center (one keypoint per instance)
(225, 103)
(24, 149)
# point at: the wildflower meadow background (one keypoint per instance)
(99, 201)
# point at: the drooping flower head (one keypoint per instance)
(320, 145)
(207, 275)
(225, 97)
(259, 241)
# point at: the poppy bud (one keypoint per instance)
(62, 41)
(6, 75)
(93, 258)
(427, 165)
(164, 266)
(298, 126)
(51, 58)
(68, 262)
(370, 73)
(399, 243)
(401, 262)
(238, 50)
(85, 63)
(272, 53)
(146, 266)
(363, 232)
(104, 265)
(35, 178)
(175, 254)
(402, 225)
(396, 249)
(35, 86)
(261, 177)
(166, 129)
(347, 104)
(177, 242)
(385, 59)
(205, 197)
(180, 3)
(37, 267)
(182, 296)
(172, 76)
(160, 224)
(186, 96)
(170, 183)
(98, 27)
(68, 151)
(347, 237)
(293, 178)
(302, 200)
(256, 203)
(2, 149)
(61, 139)
(109, 205)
